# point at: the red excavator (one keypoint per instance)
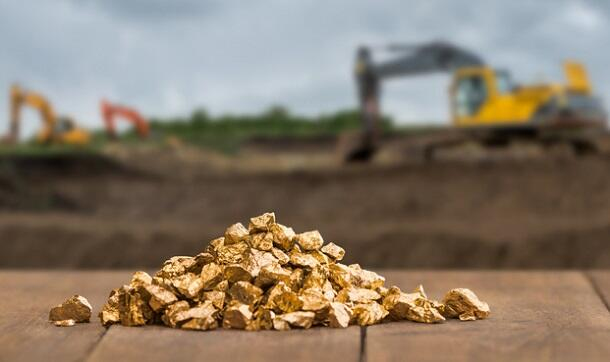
(110, 111)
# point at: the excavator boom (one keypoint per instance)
(19, 98)
(110, 111)
(413, 60)
(54, 129)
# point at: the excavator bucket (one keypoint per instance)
(577, 78)
(355, 146)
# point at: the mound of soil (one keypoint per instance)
(539, 213)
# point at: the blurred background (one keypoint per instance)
(444, 134)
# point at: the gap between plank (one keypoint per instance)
(99, 340)
(362, 344)
(597, 289)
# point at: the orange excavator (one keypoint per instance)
(110, 111)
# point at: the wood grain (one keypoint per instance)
(157, 343)
(536, 316)
(25, 301)
(601, 281)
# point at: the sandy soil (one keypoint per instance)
(136, 207)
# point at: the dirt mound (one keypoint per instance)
(73, 164)
(516, 213)
(29, 182)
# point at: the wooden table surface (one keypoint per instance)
(536, 316)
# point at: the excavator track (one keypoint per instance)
(477, 145)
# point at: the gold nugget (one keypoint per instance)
(267, 277)
(462, 303)
(74, 310)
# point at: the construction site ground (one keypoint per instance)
(134, 206)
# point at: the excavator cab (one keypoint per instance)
(473, 89)
(485, 97)
(469, 94)
(64, 131)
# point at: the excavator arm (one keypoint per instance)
(19, 98)
(55, 129)
(413, 60)
(110, 111)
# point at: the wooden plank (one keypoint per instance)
(25, 301)
(155, 343)
(536, 316)
(601, 281)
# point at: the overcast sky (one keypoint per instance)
(169, 57)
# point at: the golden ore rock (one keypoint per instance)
(283, 236)
(309, 240)
(235, 234)
(367, 314)
(160, 297)
(334, 251)
(245, 292)
(340, 275)
(140, 278)
(313, 300)
(364, 278)
(316, 278)
(75, 309)
(65, 323)
(294, 319)
(189, 285)
(216, 297)
(231, 254)
(176, 266)
(303, 260)
(357, 295)
(411, 306)
(268, 277)
(211, 275)
(237, 316)
(288, 302)
(237, 272)
(173, 316)
(262, 319)
(261, 223)
(261, 241)
(462, 303)
(133, 309)
(274, 292)
(110, 311)
(282, 258)
(271, 274)
(201, 317)
(339, 315)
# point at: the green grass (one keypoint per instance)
(33, 149)
(227, 132)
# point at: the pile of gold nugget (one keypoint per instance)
(268, 277)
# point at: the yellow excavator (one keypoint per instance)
(483, 100)
(55, 130)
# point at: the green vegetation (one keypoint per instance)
(227, 132)
(33, 149)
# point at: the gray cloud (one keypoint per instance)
(152, 10)
(168, 57)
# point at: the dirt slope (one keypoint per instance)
(530, 213)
